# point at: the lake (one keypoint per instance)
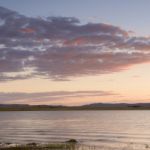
(103, 129)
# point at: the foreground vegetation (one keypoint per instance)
(68, 145)
(42, 147)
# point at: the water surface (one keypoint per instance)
(109, 129)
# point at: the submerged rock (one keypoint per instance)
(73, 141)
(32, 144)
(8, 143)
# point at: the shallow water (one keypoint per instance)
(103, 129)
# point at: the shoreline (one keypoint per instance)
(71, 144)
(89, 107)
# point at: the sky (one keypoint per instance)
(74, 52)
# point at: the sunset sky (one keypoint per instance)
(74, 52)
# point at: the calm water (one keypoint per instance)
(109, 129)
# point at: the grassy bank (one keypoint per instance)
(71, 144)
(64, 146)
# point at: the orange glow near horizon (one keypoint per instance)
(130, 86)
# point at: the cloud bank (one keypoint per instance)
(48, 97)
(60, 48)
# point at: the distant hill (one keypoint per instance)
(94, 106)
(118, 105)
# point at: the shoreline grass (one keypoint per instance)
(59, 146)
(71, 144)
